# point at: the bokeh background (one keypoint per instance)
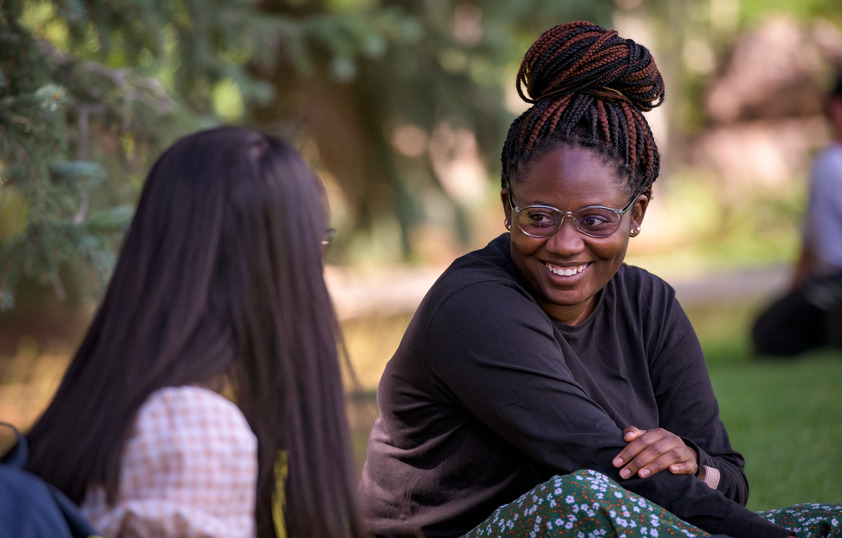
(402, 107)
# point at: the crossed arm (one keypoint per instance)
(528, 395)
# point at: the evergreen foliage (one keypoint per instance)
(91, 91)
(70, 128)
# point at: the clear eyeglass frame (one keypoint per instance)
(610, 218)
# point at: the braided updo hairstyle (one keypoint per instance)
(588, 87)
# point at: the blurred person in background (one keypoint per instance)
(206, 397)
(809, 316)
(543, 386)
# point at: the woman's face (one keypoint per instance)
(568, 269)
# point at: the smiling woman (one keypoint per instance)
(569, 265)
(541, 372)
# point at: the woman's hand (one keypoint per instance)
(651, 451)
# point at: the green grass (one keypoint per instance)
(783, 415)
(786, 419)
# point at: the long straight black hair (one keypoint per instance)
(220, 277)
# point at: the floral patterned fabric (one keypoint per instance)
(808, 520)
(588, 504)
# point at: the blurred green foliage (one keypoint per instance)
(752, 11)
(91, 91)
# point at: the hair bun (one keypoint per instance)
(583, 57)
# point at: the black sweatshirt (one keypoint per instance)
(487, 396)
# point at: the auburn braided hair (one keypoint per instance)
(587, 87)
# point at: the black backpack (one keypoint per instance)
(32, 508)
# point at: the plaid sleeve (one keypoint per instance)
(189, 470)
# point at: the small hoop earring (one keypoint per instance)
(507, 224)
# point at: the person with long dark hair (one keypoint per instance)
(543, 386)
(206, 398)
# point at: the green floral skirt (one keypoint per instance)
(587, 503)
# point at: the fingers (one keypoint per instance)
(631, 433)
(644, 466)
(652, 451)
(688, 467)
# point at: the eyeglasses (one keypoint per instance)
(330, 233)
(544, 220)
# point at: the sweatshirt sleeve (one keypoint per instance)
(507, 369)
(687, 404)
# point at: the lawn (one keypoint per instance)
(786, 419)
(785, 416)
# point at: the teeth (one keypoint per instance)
(566, 271)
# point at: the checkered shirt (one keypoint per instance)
(189, 469)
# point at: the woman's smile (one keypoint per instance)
(566, 271)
